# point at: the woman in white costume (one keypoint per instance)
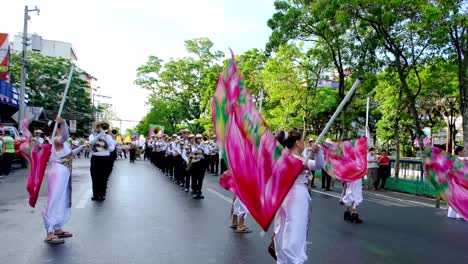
(57, 211)
(292, 217)
(239, 213)
(460, 153)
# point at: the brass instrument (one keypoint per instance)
(105, 126)
(114, 132)
(156, 130)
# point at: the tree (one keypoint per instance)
(189, 81)
(293, 97)
(405, 37)
(47, 78)
(167, 113)
(455, 26)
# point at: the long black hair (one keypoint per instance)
(288, 139)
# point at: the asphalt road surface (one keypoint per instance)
(148, 219)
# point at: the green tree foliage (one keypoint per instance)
(47, 78)
(189, 82)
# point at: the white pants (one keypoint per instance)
(239, 208)
(57, 211)
(291, 226)
(352, 194)
(452, 213)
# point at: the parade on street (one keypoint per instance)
(210, 131)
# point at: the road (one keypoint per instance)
(148, 219)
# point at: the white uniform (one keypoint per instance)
(239, 208)
(57, 211)
(292, 217)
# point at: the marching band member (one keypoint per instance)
(102, 145)
(193, 156)
(214, 151)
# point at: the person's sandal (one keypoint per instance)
(233, 226)
(54, 240)
(244, 230)
(64, 234)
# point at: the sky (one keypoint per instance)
(112, 38)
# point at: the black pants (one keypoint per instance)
(223, 166)
(313, 178)
(132, 155)
(382, 175)
(7, 159)
(187, 176)
(214, 164)
(198, 174)
(327, 178)
(100, 170)
(178, 169)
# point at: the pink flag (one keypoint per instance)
(347, 160)
(260, 172)
(37, 157)
(449, 175)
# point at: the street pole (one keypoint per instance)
(261, 101)
(22, 105)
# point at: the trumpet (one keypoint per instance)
(114, 132)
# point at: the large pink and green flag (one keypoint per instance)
(37, 157)
(260, 172)
(347, 160)
(449, 176)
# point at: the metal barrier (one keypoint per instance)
(411, 169)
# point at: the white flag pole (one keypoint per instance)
(340, 107)
(64, 96)
(367, 122)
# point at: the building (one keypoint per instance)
(48, 48)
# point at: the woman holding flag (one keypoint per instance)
(57, 211)
(293, 215)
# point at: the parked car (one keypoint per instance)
(18, 140)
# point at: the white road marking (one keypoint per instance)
(222, 196)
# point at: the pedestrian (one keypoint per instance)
(372, 169)
(2, 151)
(239, 213)
(102, 145)
(38, 136)
(57, 211)
(9, 152)
(292, 217)
(309, 153)
(460, 153)
(132, 150)
(384, 170)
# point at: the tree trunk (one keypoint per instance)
(396, 131)
(463, 91)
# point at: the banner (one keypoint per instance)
(72, 126)
(260, 172)
(4, 57)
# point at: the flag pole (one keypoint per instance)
(340, 107)
(64, 96)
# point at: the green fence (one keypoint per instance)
(411, 178)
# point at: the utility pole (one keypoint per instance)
(22, 105)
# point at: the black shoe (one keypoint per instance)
(196, 196)
(347, 216)
(102, 198)
(328, 190)
(94, 198)
(355, 219)
(186, 190)
(200, 196)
